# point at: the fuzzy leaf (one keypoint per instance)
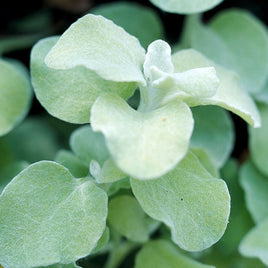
(143, 145)
(246, 38)
(258, 142)
(16, 95)
(230, 95)
(108, 173)
(49, 217)
(255, 243)
(190, 201)
(214, 132)
(185, 6)
(147, 27)
(162, 253)
(101, 46)
(127, 217)
(73, 163)
(69, 94)
(255, 186)
(89, 145)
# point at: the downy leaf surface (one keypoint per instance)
(147, 27)
(230, 94)
(143, 145)
(190, 201)
(69, 94)
(101, 46)
(185, 6)
(49, 217)
(16, 95)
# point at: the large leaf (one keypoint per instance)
(190, 201)
(128, 218)
(185, 6)
(147, 27)
(230, 94)
(213, 131)
(162, 253)
(258, 141)
(69, 94)
(101, 46)
(143, 145)
(47, 217)
(255, 243)
(16, 95)
(247, 40)
(255, 186)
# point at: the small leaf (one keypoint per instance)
(190, 201)
(16, 95)
(89, 145)
(246, 37)
(69, 94)
(49, 217)
(73, 163)
(258, 142)
(214, 132)
(255, 243)
(185, 6)
(143, 145)
(230, 94)
(108, 173)
(147, 27)
(255, 186)
(127, 217)
(162, 253)
(101, 46)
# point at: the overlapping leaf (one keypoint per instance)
(49, 217)
(255, 186)
(147, 27)
(190, 201)
(230, 95)
(255, 243)
(213, 131)
(143, 145)
(69, 94)
(258, 142)
(101, 46)
(162, 253)
(16, 95)
(184, 6)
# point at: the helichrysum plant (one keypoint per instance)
(133, 172)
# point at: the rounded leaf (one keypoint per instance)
(48, 217)
(258, 141)
(16, 95)
(147, 27)
(69, 94)
(101, 46)
(143, 145)
(185, 6)
(190, 201)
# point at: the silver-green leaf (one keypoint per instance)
(48, 217)
(190, 201)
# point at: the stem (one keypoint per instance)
(119, 253)
(189, 22)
